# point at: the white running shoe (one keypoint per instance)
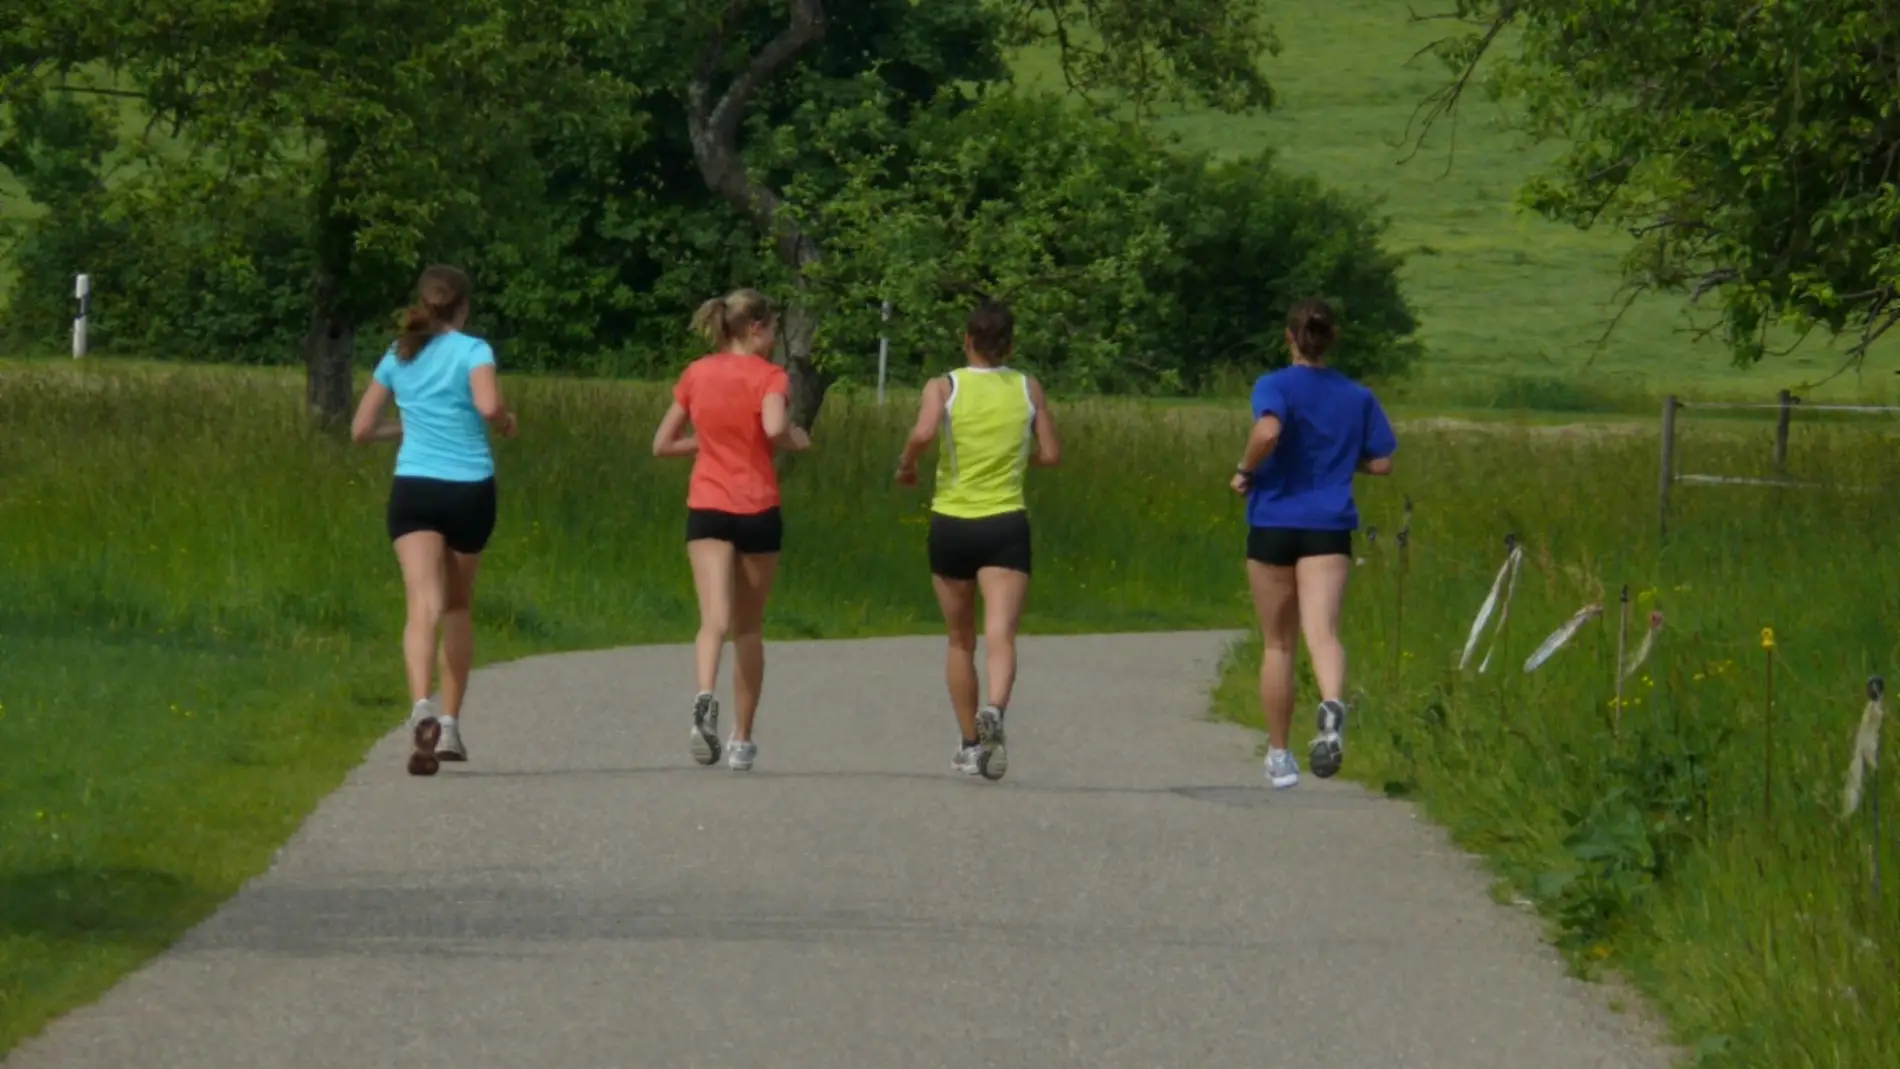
(1282, 770)
(449, 747)
(705, 729)
(740, 755)
(968, 760)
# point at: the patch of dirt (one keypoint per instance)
(1585, 430)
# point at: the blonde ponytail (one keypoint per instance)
(723, 321)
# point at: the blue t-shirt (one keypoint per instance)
(1328, 425)
(443, 436)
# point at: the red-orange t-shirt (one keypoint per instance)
(723, 395)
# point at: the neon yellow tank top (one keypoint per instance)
(988, 430)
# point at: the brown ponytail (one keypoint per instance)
(1313, 327)
(441, 294)
(723, 321)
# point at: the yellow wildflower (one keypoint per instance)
(1768, 638)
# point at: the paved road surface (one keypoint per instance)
(582, 895)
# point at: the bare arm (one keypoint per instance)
(923, 432)
(1376, 466)
(486, 388)
(777, 419)
(1260, 442)
(1048, 444)
(670, 440)
(368, 424)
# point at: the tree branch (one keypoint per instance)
(1444, 101)
(714, 128)
(1714, 280)
(806, 28)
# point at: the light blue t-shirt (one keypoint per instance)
(443, 436)
(1328, 424)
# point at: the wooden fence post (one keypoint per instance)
(1785, 400)
(1668, 473)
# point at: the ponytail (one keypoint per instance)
(710, 323)
(724, 321)
(441, 294)
(1314, 328)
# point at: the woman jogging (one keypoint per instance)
(442, 501)
(1313, 429)
(736, 401)
(995, 423)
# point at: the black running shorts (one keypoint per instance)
(752, 535)
(462, 513)
(959, 548)
(1282, 547)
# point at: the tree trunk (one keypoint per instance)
(713, 126)
(808, 383)
(329, 356)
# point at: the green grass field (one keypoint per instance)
(210, 611)
(199, 612)
(1513, 309)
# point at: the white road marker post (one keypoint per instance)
(82, 291)
(883, 353)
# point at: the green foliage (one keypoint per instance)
(1132, 265)
(1750, 149)
(510, 139)
(382, 136)
(1146, 52)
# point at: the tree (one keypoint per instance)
(1195, 49)
(400, 126)
(1751, 150)
(1133, 265)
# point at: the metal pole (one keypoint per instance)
(82, 292)
(1668, 474)
(883, 353)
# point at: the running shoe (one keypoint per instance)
(967, 760)
(705, 729)
(740, 755)
(449, 747)
(993, 758)
(1282, 770)
(1329, 745)
(425, 728)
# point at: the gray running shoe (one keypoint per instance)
(740, 755)
(967, 760)
(1282, 770)
(993, 761)
(705, 729)
(1329, 745)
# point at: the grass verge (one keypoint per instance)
(1694, 842)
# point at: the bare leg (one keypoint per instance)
(458, 633)
(749, 594)
(1322, 588)
(1004, 592)
(712, 562)
(1276, 604)
(424, 579)
(957, 599)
